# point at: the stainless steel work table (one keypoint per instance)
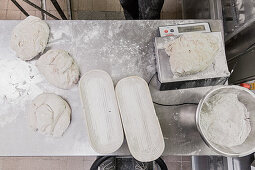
(122, 48)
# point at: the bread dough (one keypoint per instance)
(192, 53)
(49, 114)
(29, 37)
(225, 120)
(59, 68)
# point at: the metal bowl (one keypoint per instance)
(246, 97)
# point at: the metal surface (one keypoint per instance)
(238, 16)
(216, 9)
(180, 29)
(209, 163)
(246, 97)
(243, 68)
(240, 39)
(230, 16)
(222, 163)
(239, 21)
(253, 164)
(129, 163)
(243, 163)
(201, 9)
(122, 48)
(239, 45)
(69, 9)
(44, 7)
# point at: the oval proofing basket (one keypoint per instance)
(101, 111)
(142, 129)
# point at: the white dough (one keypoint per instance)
(29, 37)
(225, 120)
(49, 114)
(59, 68)
(192, 53)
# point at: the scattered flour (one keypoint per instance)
(17, 86)
(225, 120)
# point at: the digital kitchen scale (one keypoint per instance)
(180, 29)
(214, 75)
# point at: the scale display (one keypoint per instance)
(191, 28)
(180, 29)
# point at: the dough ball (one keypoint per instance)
(225, 120)
(192, 53)
(29, 37)
(59, 68)
(49, 114)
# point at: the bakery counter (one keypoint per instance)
(121, 48)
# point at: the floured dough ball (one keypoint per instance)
(49, 114)
(29, 37)
(225, 120)
(192, 53)
(59, 68)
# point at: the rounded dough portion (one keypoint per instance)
(225, 120)
(59, 68)
(192, 53)
(29, 37)
(49, 114)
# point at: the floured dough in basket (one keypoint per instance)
(192, 53)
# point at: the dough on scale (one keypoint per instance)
(192, 53)
(49, 114)
(29, 37)
(59, 68)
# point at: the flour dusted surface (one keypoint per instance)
(225, 120)
(18, 85)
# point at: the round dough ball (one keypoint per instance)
(49, 114)
(29, 38)
(225, 120)
(59, 68)
(192, 53)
